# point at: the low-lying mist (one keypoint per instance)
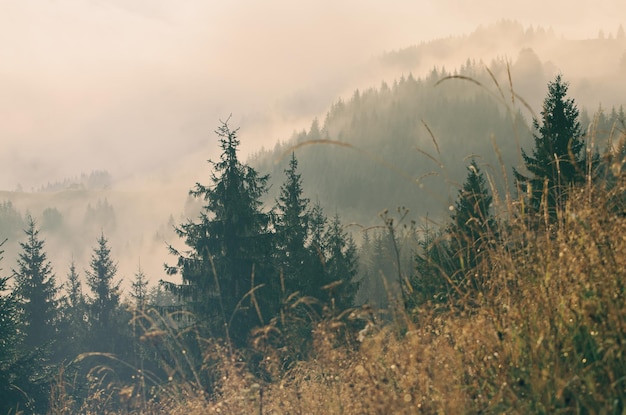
(136, 88)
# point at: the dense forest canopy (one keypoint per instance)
(416, 134)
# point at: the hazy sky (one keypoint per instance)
(128, 84)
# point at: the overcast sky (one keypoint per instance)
(130, 84)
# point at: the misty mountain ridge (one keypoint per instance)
(590, 65)
(406, 142)
(600, 62)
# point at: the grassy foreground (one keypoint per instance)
(546, 333)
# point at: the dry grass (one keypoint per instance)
(546, 334)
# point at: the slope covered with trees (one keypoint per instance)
(416, 135)
(512, 299)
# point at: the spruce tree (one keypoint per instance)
(317, 224)
(558, 159)
(74, 315)
(473, 227)
(226, 278)
(9, 343)
(105, 297)
(292, 233)
(139, 289)
(378, 273)
(74, 289)
(341, 265)
(434, 269)
(36, 291)
(38, 322)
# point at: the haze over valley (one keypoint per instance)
(241, 207)
(135, 89)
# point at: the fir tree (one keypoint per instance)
(473, 227)
(74, 289)
(105, 296)
(9, 342)
(226, 277)
(377, 270)
(36, 291)
(74, 311)
(317, 224)
(434, 267)
(38, 322)
(139, 289)
(558, 159)
(292, 232)
(341, 265)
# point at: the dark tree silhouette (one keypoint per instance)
(9, 342)
(36, 291)
(558, 159)
(74, 330)
(291, 225)
(38, 322)
(226, 280)
(139, 289)
(105, 297)
(473, 228)
(341, 265)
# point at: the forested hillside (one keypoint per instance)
(433, 244)
(405, 144)
(418, 130)
(596, 66)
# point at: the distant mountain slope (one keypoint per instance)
(596, 67)
(386, 145)
(380, 153)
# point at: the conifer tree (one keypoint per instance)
(341, 264)
(318, 223)
(36, 291)
(226, 276)
(9, 341)
(292, 232)
(38, 322)
(74, 310)
(434, 267)
(317, 251)
(473, 227)
(74, 289)
(377, 270)
(105, 297)
(558, 158)
(139, 289)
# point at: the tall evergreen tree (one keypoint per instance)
(74, 315)
(9, 341)
(139, 289)
(378, 272)
(38, 322)
(36, 291)
(341, 264)
(447, 260)
(473, 227)
(105, 297)
(558, 159)
(434, 268)
(74, 289)
(292, 232)
(317, 224)
(226, 277)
